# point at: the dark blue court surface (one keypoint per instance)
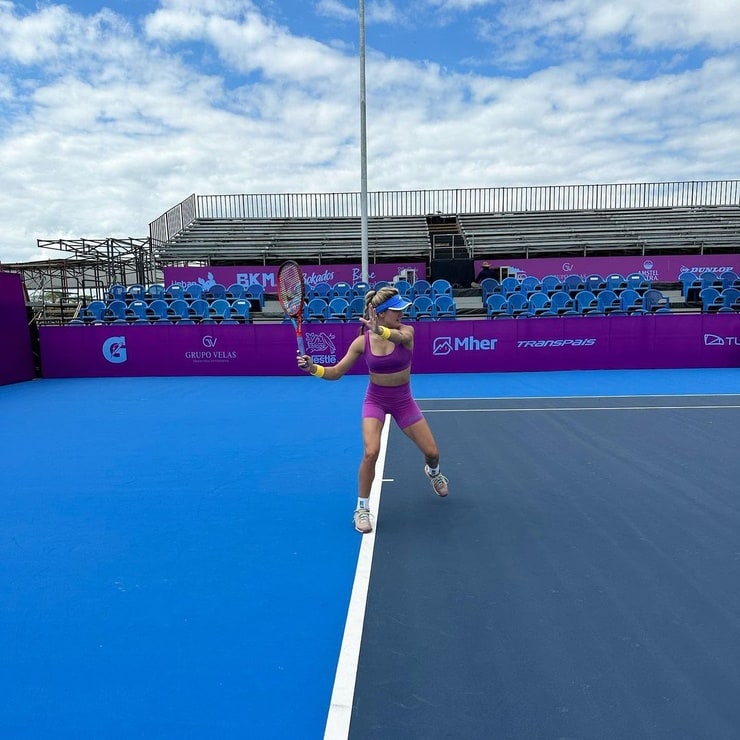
(579, 582)
(177, 559)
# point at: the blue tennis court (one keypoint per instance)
(178, 559)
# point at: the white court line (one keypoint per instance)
(557, 398)
(577, 408)
(342, 696)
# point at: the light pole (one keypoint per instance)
(363, 149)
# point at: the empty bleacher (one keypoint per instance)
(597, 232)
(270, 240)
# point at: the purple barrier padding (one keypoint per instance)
(658, 269)
(267, 276)
(16, 357)
(570, 343)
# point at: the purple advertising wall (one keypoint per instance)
(16, 358)
(569, 343)
(267, 276)
(659, 269)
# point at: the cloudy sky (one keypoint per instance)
(111, 113)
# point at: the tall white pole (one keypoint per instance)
(363, 149)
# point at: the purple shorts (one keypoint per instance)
(395, 400)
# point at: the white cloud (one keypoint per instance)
(336, 9)
(106, 126)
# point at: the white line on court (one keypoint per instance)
(343, 693)
(577, 408)
(579, 397)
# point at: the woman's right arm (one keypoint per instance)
(334, 372)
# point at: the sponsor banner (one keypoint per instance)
(267, 276)
(569, 343)
(658, 269)
(16, 356)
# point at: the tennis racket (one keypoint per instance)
(291, 294)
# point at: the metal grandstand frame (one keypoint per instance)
(387, 203)
(56, 288)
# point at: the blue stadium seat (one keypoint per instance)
(357, 307)
(235, 290)
(729, 279)
(539, 302)
(709, 279)
(154, 292)
(730, 297)
(174, 292)
(136, 292)
(317, 310)
(422, 307)
(241, 310)
(445, 307)
(115, 310)
(193, 291)
(594, 283)
(215, 292)
(117, 292)
(220, 309)
(585, 301)
(199, 309)
(710, 298)
(615, 281)
(320, 290)
(339, 309)
(496, 304)
(341, 290)
(573, 283)
(630, 300)
(402, 286)
(517, 303)
(256, 292)
(137, 309)
(509, 285)
(93, 312)
(359, 289)
(653, 301)
(421, 287)
(689, 281)
(529, 285)
(636, 281)
(550, 284)
(178, 309)
(489, 286)
(560, 302)
(158, 310)
(607, 300)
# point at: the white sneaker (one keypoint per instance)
(439, 482)
(363, 523)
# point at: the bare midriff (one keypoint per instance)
(391, 379)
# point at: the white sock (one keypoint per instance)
(363, 503)
(434, 471)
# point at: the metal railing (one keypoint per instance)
(399, 203)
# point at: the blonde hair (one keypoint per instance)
(375, 298)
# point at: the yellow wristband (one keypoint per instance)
(318, 371)
(385, 332)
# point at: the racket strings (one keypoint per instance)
(290, 289)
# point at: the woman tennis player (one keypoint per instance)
(387, 346)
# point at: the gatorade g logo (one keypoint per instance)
(114, 350)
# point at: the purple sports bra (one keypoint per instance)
(399, 359)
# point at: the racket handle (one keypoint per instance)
(301, 346)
